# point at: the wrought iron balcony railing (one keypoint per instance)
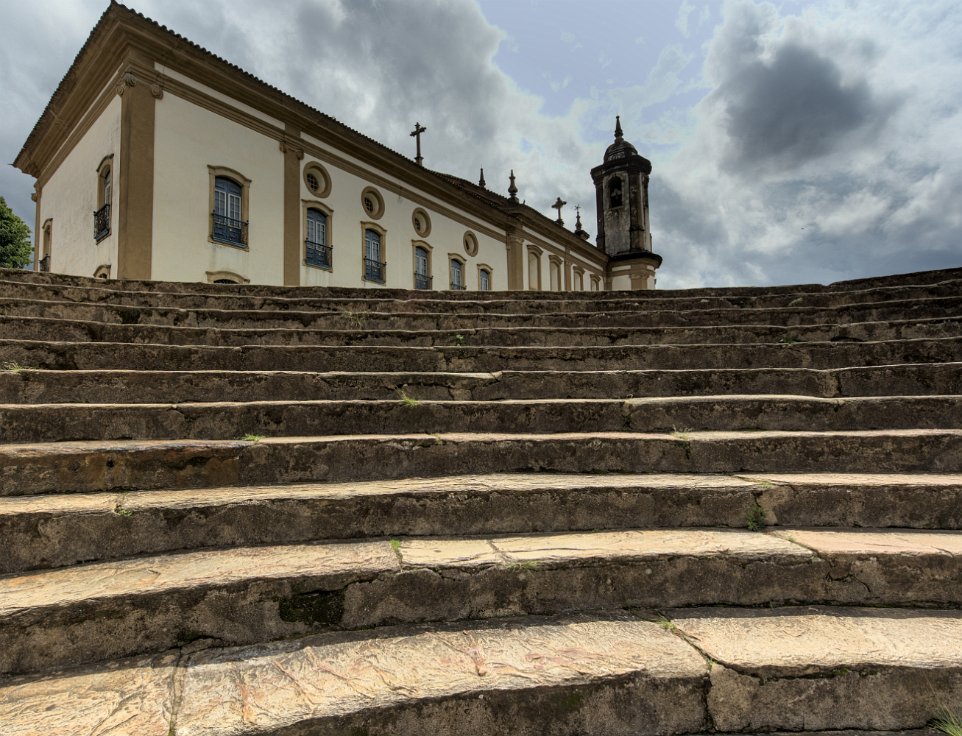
(458, 287)
(422, 281)
(44, 264)
(374, 270)
(318, 254)
(102, 223)
(227, 230)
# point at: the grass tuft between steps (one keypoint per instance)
(949, 723)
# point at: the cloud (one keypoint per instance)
(820, 151)
(793, 109)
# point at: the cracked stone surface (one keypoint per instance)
(892, 669)
(274, 686)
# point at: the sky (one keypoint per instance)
(791, 142)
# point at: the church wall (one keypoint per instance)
(446, 237)
(189, 139)
(70, 196)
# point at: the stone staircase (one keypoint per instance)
(259, 510)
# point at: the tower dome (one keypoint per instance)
(620, 149)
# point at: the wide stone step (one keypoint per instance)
(60, 530)
(85, 467)
(93, 612)
(57, 330)
(20, 283)
(800, 669)
(405, 414)
(18, 354)
(28, 386)
(460, 320)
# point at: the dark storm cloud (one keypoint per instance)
(793, 109)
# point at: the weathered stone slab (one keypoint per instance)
(29, 386)
(86, 613)
(593, 677)
(404, 414)
(84, 467)
(117, 699)
(473, 358)
(819, 668)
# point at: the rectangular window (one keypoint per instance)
(457, 275)
(228, 225)
(373, 266)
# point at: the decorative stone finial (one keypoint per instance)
(481, 181)
(618, 134)
(512, 189)
(579, 231)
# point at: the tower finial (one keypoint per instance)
(512, 189)
(618, 134)
(481, 181)
(577, 218)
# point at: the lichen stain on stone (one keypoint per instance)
(313, 609)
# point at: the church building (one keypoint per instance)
(156, 159)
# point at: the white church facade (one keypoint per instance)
(156, 159)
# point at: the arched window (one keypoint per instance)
(484, 279)
(317, 252)
(374, 267)
(614, 192)
(554, 271)
(44, 263)
(534, 269)
(579, 279)
(457, 275)
(422, 268)
(227, 220)
(104, 195)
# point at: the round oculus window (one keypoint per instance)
(372, 203)
(316, 180)
(470, 244)
(421, 222)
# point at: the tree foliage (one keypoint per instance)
(15, 247)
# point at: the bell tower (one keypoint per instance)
(624, 228)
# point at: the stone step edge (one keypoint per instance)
(916, 305)
(247, 595)
(51, 531)
(48, 323)
(20, 385)
(126, 465)
(587, 674)
(929, 277)
(342, 563)
(20, 423)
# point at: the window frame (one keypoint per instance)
(578, 278)
(429, 251)
(324, 188)
(378, 212)
(382, 234)
(534, 252)
(484, 267)
(306, 206)
(214, 277)
(223, 172)
(105, 191)
(425, 231)
(555, 270)
(462, 267)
